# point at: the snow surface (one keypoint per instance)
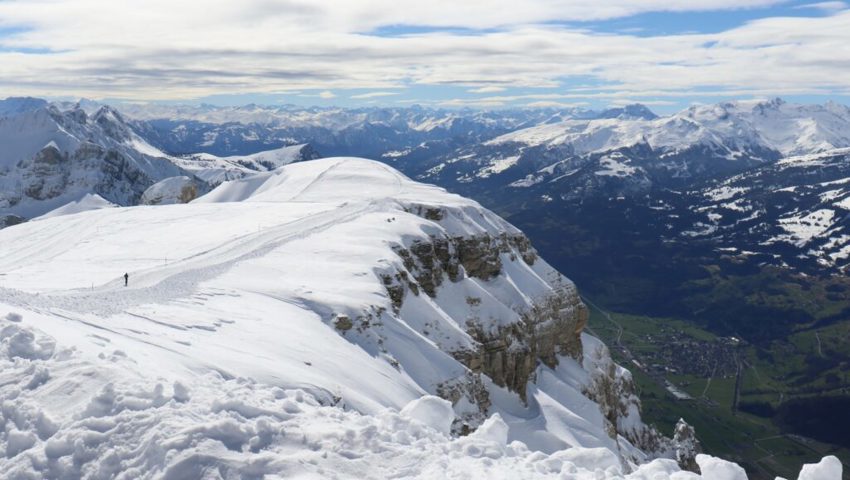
(89, 201)
(802, 229)
(224, 358)
(496, 166)
(67, 414)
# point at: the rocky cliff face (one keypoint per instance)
(52, 157)
(538, 332)
(509, 354)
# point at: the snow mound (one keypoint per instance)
(89, 201)
(718, 469)
(113, 424)
(431, 411)
(829, 468)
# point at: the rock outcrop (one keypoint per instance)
(180, 189)
(687, 446)
(543, 330)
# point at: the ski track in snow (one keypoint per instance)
(181, 279)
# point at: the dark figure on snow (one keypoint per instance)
(126, 278)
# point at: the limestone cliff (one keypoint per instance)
(536, 332)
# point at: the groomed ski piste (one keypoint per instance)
(224, 357)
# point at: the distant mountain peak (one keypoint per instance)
(18, 105)
(634, 111)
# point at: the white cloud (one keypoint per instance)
(158, 49)
(374, 95)
(490, 89)
(825, 6)
(326, 95)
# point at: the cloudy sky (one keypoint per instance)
(493, 54)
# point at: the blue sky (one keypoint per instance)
(560, 53)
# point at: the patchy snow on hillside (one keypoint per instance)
(496, 166)
(615, 165)
(803, 228)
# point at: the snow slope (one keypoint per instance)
(89, 201)
(259, 335)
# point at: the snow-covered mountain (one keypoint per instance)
(329, 318)
(50, 157)
(392, 133)
(54, 154)
(215, 170)
(628, 154)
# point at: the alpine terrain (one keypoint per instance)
(327, 318)
(287, 315)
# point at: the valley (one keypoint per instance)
(753, 439)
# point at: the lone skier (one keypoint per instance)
(126, 279)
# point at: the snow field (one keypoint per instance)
(109, 423)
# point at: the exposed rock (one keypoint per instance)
(430, 262)
(181, 189)
(468, 390)
(343, 323)
(10, 220)
(508, 357)
(395, 289)
(687, 446)
(510, 354)
(479, 257)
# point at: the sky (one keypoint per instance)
(667, 54)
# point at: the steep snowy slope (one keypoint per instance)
(51, 157)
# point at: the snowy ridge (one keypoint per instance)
(215, 170)
(89, 201)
